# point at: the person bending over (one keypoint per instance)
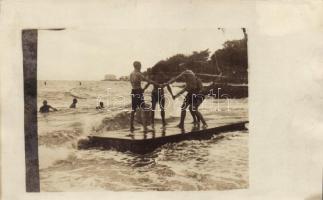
(193, 88)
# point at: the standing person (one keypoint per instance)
(46, 108)
(73, 105)
(157, 95)
(199, 98)
(193, 88)
(137, 97)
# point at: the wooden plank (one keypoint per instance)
(144, 145)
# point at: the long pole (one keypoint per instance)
(29, 48)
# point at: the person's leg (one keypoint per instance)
(162, 109)
(132, 117)
(143, 118)
(200, 117)
(153, 107)
(193, 115)
(133, 110)
(143, 110)
(183, 114)
(198, 101)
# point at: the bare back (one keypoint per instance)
(135, 80)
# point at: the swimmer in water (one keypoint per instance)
(46, 108)
(101, 106)
(73, 105)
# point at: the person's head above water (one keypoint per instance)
(44, 102)
(137, 65)
(74, 100)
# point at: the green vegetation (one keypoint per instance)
(231, 62)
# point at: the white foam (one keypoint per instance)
(48, 155)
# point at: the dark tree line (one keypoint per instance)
(231, 62)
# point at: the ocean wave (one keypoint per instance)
(67, 125)
(119, 121)
(59, 137)
(49, 156)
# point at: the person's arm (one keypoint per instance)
(175, 78)
(148, 80)
(54, 109)
(170, 91)
(146, 86)
(179, 93)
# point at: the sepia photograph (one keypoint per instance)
(124, 99)
(142, 110)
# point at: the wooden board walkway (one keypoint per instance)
(141, 143)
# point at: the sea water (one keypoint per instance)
(220, 163)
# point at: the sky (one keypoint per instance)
(89, 54)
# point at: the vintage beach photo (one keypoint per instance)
(142, 109)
